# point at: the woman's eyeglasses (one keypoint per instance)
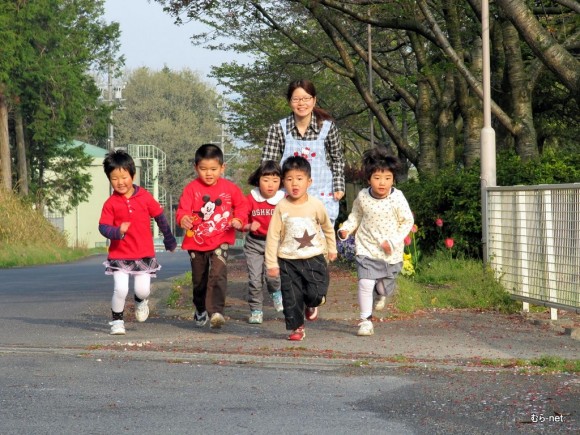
(301, 100)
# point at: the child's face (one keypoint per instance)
(381, 183)
(296, 183)
(209, 171)
(269, 185)
(121, 182)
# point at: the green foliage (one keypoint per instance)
(67, 184)
(454, 196)
(54, 44)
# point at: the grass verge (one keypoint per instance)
(444, 282)
(31, 255)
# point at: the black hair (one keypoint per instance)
(209, 151)
(119, 159)
(377, 159)
(308, 86)
(297, 163)
(267, 167)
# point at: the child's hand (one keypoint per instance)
(332, 257)
(342, 234)
(274, 272)
(236, 223)
(338, 195)
(255, 225)
(386, 247)
(186, 222)
(124, 227)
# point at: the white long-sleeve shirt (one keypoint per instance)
(377, 220)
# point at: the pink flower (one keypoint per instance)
(407, 240)
(449, 243)
(414, 229)
(439, 222)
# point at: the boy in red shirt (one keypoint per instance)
(211, 209)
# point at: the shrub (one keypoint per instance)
(454, 196)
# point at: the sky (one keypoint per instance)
(149, 38)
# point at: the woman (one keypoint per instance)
(310, 132)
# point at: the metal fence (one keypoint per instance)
(533, 242)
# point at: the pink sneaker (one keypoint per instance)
(298, 334)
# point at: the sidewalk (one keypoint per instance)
(443, 337)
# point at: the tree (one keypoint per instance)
(174, 111)
(426, 61)
(45, 81)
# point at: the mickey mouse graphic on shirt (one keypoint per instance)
(209, 220)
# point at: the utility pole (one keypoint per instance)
(114, 98)
(488, 163)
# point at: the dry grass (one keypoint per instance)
(27, 238)
(22, 225)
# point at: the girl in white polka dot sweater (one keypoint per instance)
(382, 218)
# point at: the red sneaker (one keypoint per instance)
(311, 313)
(297, 335)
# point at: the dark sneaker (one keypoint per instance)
(311, 313)
(200, 319)
(298, 334)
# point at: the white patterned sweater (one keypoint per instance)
(377, 220)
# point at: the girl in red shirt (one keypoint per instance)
(126, 222)
(262, 200)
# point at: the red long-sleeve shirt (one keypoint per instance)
(213, 208)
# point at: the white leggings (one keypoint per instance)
(142, 287)
(365, 295)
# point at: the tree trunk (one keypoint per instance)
(22, 166)
(520, 93)
(427, 131)
(5, 160)
(446, 125)
(553, 55)
(471, 110)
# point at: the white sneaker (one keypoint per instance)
(277, 299)
(256, 316)
(381, 302)
(216, 321)
(117, 327)
(365, 328)
(142, 310)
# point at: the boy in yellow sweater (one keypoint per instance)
(296, 247)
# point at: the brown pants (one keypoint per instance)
(209, 275)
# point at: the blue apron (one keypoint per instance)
(315, 152)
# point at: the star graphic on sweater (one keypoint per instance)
(305, 240)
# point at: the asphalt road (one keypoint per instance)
(60, 372)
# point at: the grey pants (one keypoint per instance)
(254, 249)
